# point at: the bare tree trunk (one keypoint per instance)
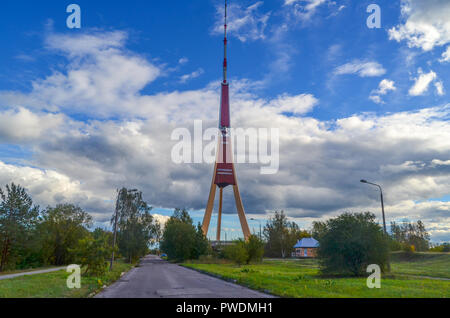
(4, 254)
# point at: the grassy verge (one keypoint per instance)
(296, 279)
(53, 285)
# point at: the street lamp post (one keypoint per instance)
(252, 219)
(382, 203)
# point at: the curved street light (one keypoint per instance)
(382, 203)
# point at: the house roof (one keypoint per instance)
(307, 243)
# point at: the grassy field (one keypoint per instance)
(300, 278)
(53, 285)
(422, 264)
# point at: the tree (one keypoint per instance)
(135, 225)
(318, 228)
(281, 235)
(255, 249)
(18, 218)
(62, 227)
(181, 240)
(92, 252)
(411, 234)
(351, 242)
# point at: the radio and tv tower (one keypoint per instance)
(224, 170)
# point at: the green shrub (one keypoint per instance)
(245, 252)
(92, 253)
(351, 242)
(237, 252)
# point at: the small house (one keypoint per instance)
(306, 247)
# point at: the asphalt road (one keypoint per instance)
(156, 278)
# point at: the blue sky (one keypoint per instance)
(362, 103)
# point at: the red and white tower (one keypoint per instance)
(224, 170)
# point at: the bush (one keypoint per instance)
(237, 252)
(255, 249)
(351, 242)
(242, 252)
(92, 252)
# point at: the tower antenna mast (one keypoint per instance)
(225, 42)
(224, 170)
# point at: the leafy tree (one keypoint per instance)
(255, 249)
(136, 226)
(318, 228)
(351, 242)
(18, 218)
(92, 252)
(281, 235)
(181, 240)
(411, 234)
(62, 227)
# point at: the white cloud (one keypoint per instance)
(48, 187)
(383, 88)
(246, 23)
(23, 125)
(426, 24)
(183, 60)
(445, 55)
(305, 12)
(439, 88)
(162, 219)
(422, 83)
(363, 69)
(100, 76)
(195, 74)
(300, 104)
(438, 162)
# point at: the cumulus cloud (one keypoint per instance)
(361, 68)
(21, 124)
(321, 162)
(422, 82)
(100, 75)
(383, 88)
(426, 24)
(245, 23)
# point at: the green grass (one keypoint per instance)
(300, 278)
(53, 285)
(421, 264)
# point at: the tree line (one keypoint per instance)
(32, 237)
(348, 243)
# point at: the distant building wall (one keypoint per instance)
(300, 252)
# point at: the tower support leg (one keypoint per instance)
(209, 209)
(219, 219)
(241, 212)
